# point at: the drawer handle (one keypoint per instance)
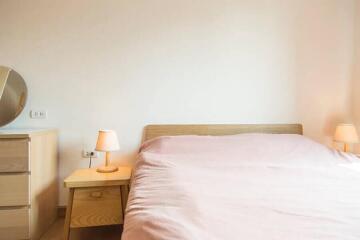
(96, 194)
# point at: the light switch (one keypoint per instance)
(38, 114)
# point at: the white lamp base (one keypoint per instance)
(107, 169)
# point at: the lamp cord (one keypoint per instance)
(90, 162)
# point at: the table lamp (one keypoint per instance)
(107, 142)
(346, 133)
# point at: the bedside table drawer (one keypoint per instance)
(14, 224)
(14, 155)
(96, 206)
(14, 189)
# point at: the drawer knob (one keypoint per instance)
(96, 194)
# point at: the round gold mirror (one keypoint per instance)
(13, 95)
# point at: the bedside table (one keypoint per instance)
(96, 199)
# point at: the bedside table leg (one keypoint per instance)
(68, 215)
(124, 197)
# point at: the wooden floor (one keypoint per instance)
(93, 233)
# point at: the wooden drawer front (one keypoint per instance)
(14, 155)
(14, 189)
(14, 224)
(96, 207)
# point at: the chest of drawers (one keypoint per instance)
(28, 183)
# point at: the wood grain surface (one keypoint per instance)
(89, 177)
(153, 131)
(14, 224)
(96, 206)
(14, 155)
(14, 189)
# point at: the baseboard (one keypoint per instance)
(61, 211)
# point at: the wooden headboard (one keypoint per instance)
(153, 131)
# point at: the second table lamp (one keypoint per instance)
(346, 134)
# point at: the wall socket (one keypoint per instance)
(89, 153)
(38, 114)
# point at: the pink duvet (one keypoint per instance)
(248, 186)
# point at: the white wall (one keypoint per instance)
(356, 72)
(124, 64)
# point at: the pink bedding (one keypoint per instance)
(248, 186)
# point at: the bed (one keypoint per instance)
(250, 182)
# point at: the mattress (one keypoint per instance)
(247, 186)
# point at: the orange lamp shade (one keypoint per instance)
(107, 141)
(346, 133)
